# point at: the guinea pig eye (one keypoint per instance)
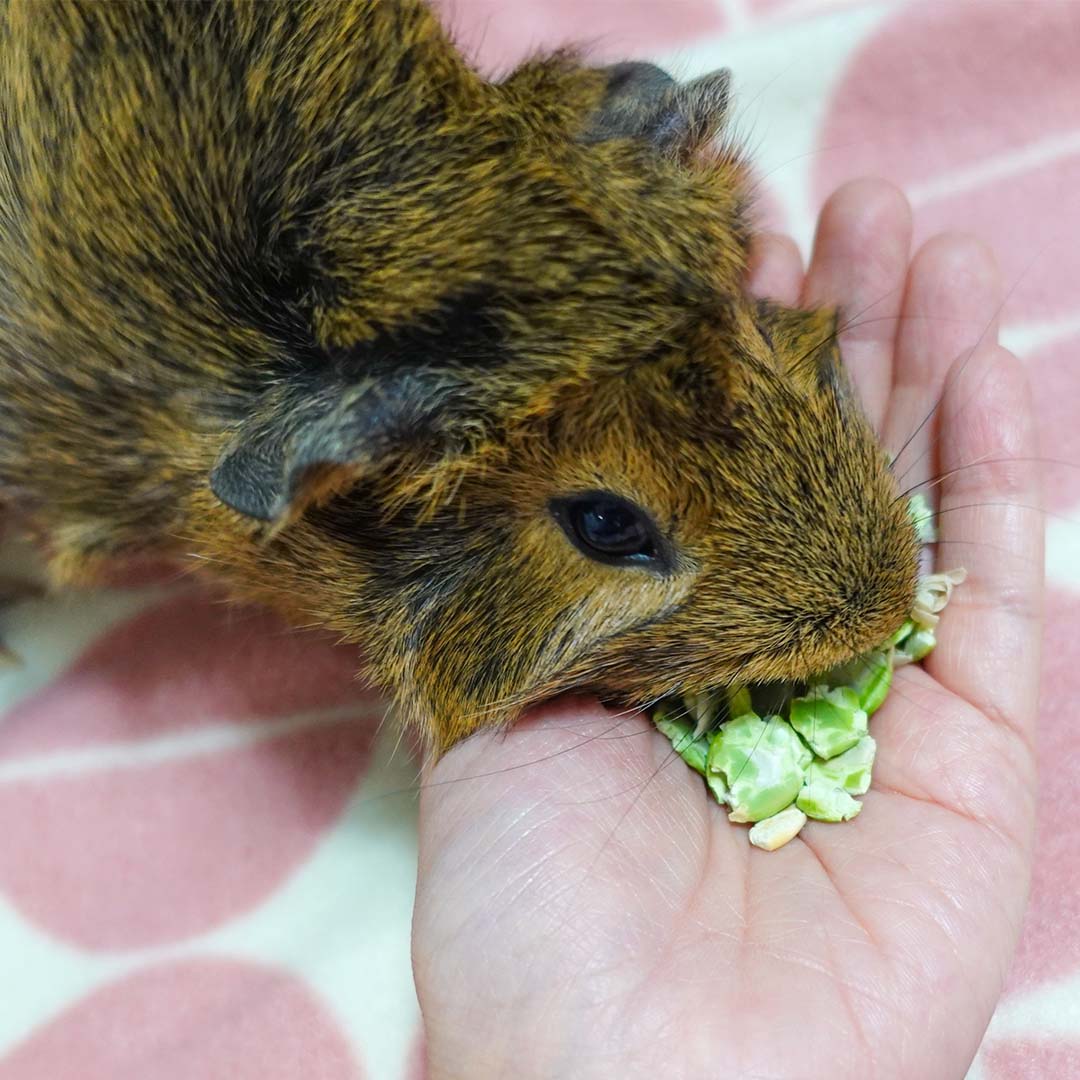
(608, 528)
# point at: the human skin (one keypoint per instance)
(585, 911)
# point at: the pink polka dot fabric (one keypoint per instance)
(207, 839)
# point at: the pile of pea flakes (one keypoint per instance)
(777, 771)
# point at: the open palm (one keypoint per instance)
(585, 911)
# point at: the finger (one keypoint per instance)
(775, 270)
(951, 303)
(859, 263)
(991, 522)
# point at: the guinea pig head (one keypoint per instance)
(719, 512)
(733, 515)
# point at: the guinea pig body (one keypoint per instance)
(461, 370)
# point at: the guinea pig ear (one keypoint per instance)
(636, 94)
(642, 101)
(805, 344)
(303, 445)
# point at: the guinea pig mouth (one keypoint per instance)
(831, 656)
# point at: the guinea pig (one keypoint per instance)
(463, 370)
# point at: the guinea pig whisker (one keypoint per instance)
(557, 932)
(620, 717)
(605, 735)
(733, 124)
(749, 757)
(849, 323)
(1004, 502)
(516, 700)
(419, 787)
(625, 713)
(524, 699)
(989, 547)
(941, 477)
(931, 482)
(762, 177)
(526, 764)
(416, 789)
(935, 442)
(670, 758)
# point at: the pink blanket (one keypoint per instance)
(207, 843)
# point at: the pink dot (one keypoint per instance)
(1033, 244)
(196, 1020)
(976, 114)
(1032, 1060)
(133, 856)
(498, 35)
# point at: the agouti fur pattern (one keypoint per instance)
(290, 290)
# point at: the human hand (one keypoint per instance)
(584, 910)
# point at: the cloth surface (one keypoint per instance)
(207, 839)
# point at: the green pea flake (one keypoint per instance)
(920, 644)
(917, 646)
(826, 802)
(830, 721)
(870, 676)
(715, 783)
(849, 770)
(932, 595)
(738, 701)
(762, 763)
(680, 733)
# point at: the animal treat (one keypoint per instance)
(810, 757)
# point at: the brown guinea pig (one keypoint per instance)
(462, 370)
